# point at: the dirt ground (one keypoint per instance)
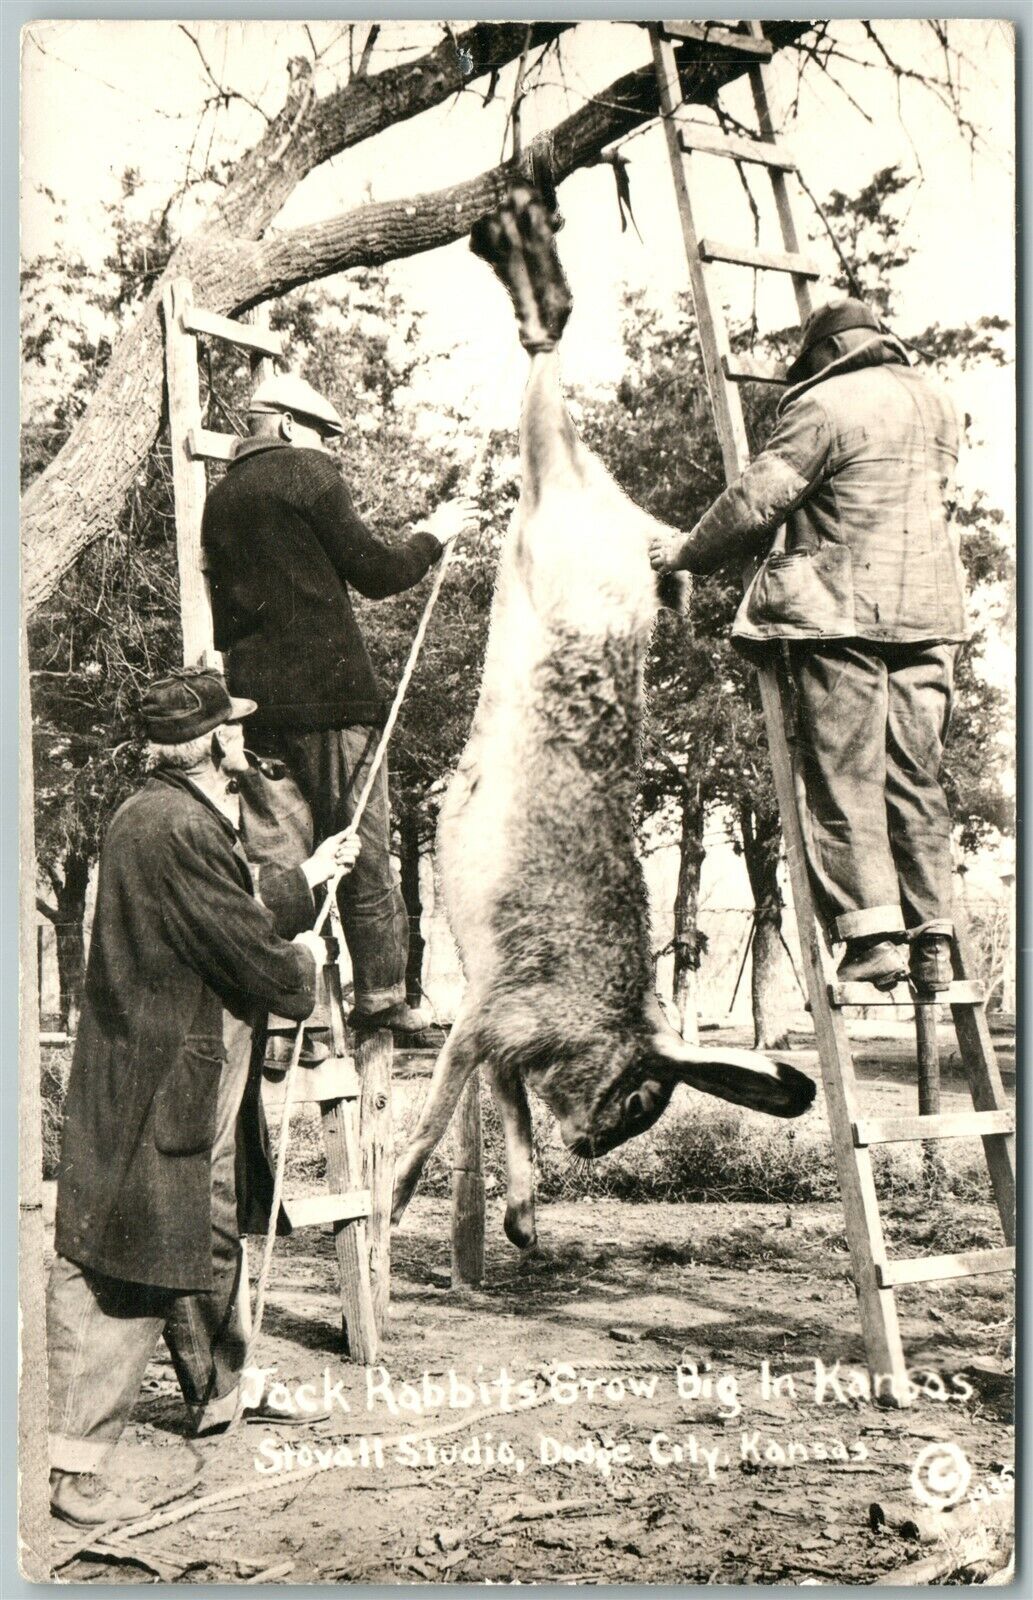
(643, 1437)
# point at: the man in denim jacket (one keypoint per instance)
(850, 502)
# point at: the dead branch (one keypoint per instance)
(80, 495)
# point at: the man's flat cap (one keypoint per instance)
(287, 392)
(188, 703)
(825, 323)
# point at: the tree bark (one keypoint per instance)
(409, 835)
(80, 495)
(761, 841)
(689, 943)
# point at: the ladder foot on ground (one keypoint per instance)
(875, 1274)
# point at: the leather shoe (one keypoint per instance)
(879, 961)
(399, 1018)
(265, 1416)
(83, 1500)
(931, 966)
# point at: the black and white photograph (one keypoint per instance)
(517, 802)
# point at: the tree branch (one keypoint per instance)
(367, 50)
(222, 93)
(80, 496)
(265, 177)
(245, 273)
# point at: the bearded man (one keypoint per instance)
(164, 1160)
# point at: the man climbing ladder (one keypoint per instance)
(864, 580)
(284, 545)
(796, 476)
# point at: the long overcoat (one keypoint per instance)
(178, 934)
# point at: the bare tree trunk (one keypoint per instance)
(235, 264)
(409, 833)
(71, 945)
(761, 841)
(689, 943)
(68, 915)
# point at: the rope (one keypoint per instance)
(331, 911)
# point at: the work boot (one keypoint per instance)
(403, 1020)
(83, 1500)
(931, 966)
(876, 959)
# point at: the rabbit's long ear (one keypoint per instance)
(744, 1077)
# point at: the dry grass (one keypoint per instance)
(693, 1154)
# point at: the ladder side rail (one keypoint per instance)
(189, 483)
(862, 1220)
(986, 1086)
(731, 428)
(344, 1175)
(263, 358)
(763, 102)
(877, 1307)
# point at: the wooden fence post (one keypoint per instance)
(928, 1046)
(373, 1052)
(468, 1189)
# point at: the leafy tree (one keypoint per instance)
(113, 621)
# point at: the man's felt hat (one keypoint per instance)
(188, 703)
(825, 323)
(287, 392)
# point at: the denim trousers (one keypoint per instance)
(326, 771)
(871, 721)
(101, 1331)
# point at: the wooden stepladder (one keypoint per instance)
(853, 1135)
(353, 1091)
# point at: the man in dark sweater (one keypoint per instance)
(283, 546)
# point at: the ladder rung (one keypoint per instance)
(204, 445)
(929, 1269)
(249, 337)
(710, 141)
(333, 1079)
(721, 38)
(944, 1125)
(744, 369)
(311, 1210)
(764, 260)
(960, 993)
